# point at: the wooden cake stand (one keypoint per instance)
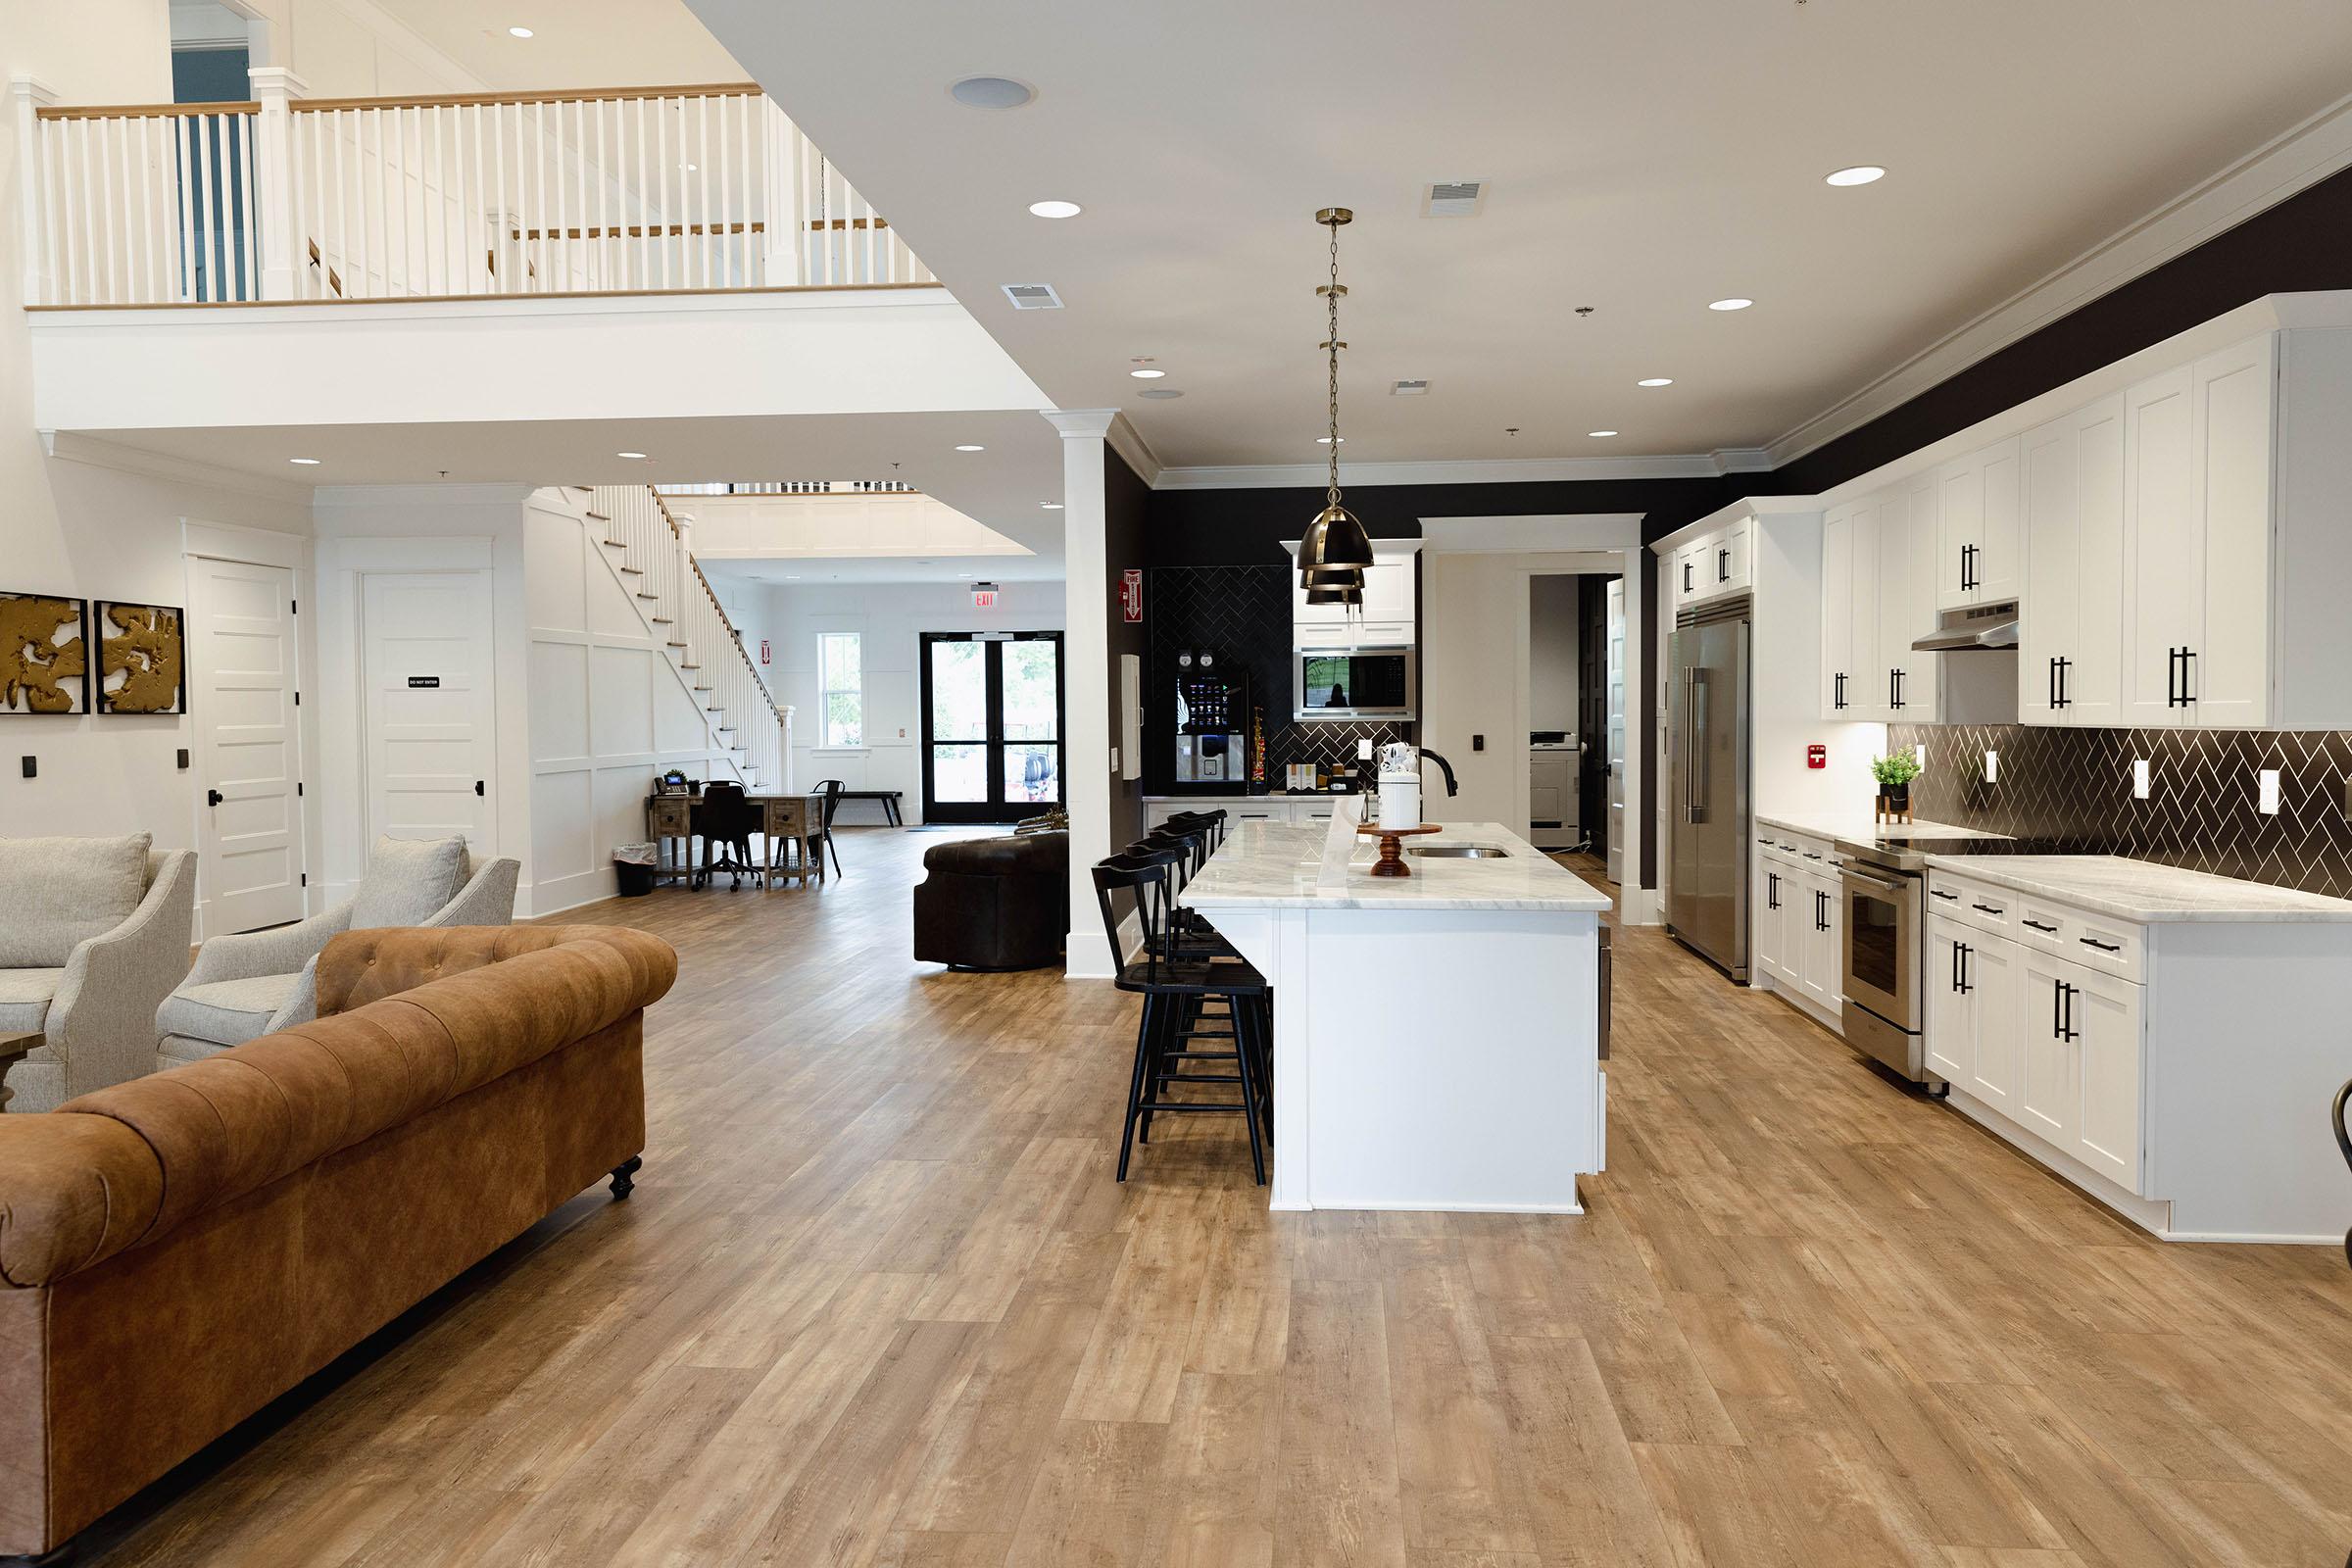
(1392, 851)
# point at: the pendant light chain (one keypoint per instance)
(1332, 494)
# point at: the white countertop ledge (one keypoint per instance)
(1861, 828)
(1271, 865)
(2142, 892)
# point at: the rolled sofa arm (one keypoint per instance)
(416, 1018)
(102, 1020)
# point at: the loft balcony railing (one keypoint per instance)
(631, 190)
(794, 487)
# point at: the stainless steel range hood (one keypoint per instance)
(1972, 627)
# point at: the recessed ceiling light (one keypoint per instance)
(1324, 440)
(518, 32)
(792, 576)
(1054, 209)
(992, 92)
(633, 455)
(1051, 506)
(1159, 392)
(972, 449)
(1596, 434)
(1655, 380)
(1735, 303)
(1147, 374)
(1859, 174)
(308, 462)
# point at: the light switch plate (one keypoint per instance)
(2268, 800)
(2139, 778)
(1918, 754)
(1114, 758)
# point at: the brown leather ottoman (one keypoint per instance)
(994, 903)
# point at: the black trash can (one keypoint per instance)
(636, 881)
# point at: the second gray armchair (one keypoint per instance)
(247, 986)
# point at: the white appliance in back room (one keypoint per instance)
(1554, 775)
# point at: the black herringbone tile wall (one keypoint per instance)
(2073, 786)
(1244, 614)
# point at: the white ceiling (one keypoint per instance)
(1644, 158)
(1002, 486)
(573, 43)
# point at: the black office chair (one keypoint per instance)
(1173, 987)
(830, 789)
(725, 819)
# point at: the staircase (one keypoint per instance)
(648, 550)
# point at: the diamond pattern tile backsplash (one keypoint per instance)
(1244, 614)
(2075, 786)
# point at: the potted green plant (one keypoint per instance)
(1895, 775)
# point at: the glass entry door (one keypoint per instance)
(992, 726)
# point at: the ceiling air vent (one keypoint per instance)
(1460, 198)
(1033, 296)
(1409, 389)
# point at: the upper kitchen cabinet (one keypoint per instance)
(1976, 554)
(1908, 528)
(1713, 566)
(1388, 617)
(2071, 511)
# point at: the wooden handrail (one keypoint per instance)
(640, 231)
(821, 224)
(143, 111)
(582, 95)
(712, 594)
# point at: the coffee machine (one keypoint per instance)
(1213, 704)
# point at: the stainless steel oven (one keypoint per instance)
(1355, 683)
(1886, 947)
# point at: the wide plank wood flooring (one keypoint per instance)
(877, 1300)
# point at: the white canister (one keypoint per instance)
(1400, 799)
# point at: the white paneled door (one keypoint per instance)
(432, 726)
(244, 675)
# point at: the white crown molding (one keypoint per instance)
(1497, 470)
(1080, 424)
(72, 446)
(1136, 451)
(1742, 460)
(2304, 156)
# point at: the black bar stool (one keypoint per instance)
(1173, 985)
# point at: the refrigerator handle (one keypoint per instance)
(1694, 683)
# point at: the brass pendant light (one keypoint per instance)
(1334, 554)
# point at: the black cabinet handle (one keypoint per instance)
(1837, 691)
(1723, 565)
(1968, 969)
(2188, 694)
(2057, 1010)
(2067, 1029)
(1685, 576)
(1985, 908)
(2103, 947)
(1938, 893)
(2046, 930)
(2066, 679)
(1772, 889)
(213, 797)
(2053, 684)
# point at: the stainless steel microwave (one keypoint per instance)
(1355, 683)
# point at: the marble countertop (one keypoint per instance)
(2142, 892)
(1263, 865)
(1857, 825)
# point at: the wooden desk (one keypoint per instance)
(12, 1049)
(785, 820)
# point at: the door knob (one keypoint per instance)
(477, 786)
(212, 796)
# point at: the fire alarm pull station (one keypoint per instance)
(1817, 756)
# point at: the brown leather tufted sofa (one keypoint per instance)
(179, 1250)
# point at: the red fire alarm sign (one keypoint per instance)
(1131, 593)
(1817, 756)
(763, 654)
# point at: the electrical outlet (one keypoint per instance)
(1114, 758)
(1992, 767)
(1919, 755)
(2139, 778)
(2267, 801)
(1363, 749)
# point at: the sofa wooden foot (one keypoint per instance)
(624, 1176)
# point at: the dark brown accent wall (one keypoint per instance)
(2074, 787)
(1126, 530)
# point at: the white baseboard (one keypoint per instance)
(555, 895)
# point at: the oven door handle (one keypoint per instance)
(1876, 882)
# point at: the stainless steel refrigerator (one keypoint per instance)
(1707, 772)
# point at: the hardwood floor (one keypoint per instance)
(877, 1300)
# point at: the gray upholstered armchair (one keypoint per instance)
(93, 1000)
(247, 986)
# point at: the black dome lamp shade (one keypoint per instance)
(1336, 551)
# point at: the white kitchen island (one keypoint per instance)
(1436, 1037)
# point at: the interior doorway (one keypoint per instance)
(1571, 765)
(993, 731)
(245, 675)
(430, 721)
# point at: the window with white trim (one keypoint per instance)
(840, 669)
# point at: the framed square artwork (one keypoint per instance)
(142, 658)
(44, 655)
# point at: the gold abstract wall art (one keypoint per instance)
(44, 655)
(142, 659)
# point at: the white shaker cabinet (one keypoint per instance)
(1907, 527)
(1977, 527)
(2071, 511)
(1840, 698)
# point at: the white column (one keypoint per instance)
(274, 88)
(1086, 675)
(27, 96)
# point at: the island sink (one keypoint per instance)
(1458, 852)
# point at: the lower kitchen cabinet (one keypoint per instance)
(1795, 922)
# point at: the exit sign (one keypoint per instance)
(983, 596)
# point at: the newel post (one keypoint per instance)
(275, 88)
(28, 97)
